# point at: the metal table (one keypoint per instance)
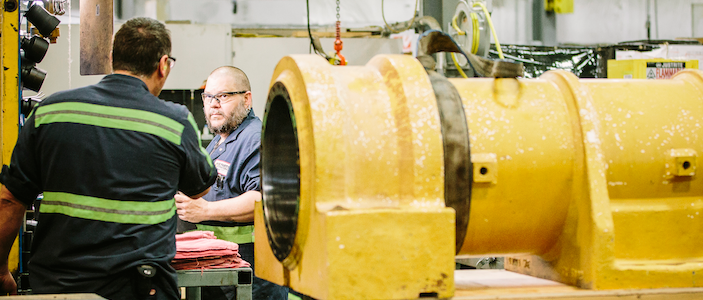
(193, 280)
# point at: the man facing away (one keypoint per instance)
(108, 159)
(228, 209)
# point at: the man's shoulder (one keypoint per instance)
(146, 102)
(254, 125)
(72, 94)
(178, 112)
(251, 131)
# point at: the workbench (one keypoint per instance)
(193, 280)
(501, 284)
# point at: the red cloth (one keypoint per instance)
(213, 247)
(194, 235)
(201, 250)
(208, 263)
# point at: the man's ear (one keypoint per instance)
(248, 100)
(163, 65)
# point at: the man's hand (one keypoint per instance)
(7, 283)
(11, 218)
(191, 210)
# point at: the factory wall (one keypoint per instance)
(593, 21)
(603, 21)
(207, 42)
(199, 49)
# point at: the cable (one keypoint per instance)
(458, 67)
(312, 45)
(411, 20)
(477, 33)
(490, 24)
(458, 30)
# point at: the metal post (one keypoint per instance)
(9, 97)
(544, 27)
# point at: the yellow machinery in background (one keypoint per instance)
(375, 177)
(9, 102)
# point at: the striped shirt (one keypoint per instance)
(108, 159)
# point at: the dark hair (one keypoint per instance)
(139, 45)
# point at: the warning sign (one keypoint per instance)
(663, 70)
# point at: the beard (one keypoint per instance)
(232, 121)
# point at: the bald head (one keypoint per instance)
(230, 86)
(233, 74)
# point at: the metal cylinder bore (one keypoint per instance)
(280, 172)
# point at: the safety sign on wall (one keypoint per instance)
(663, 70)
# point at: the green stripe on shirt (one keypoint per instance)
(93, 208)
(110, 117)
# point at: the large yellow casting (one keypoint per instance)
(589, 182)
(371, 216)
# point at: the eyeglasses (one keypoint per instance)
(223, 97)
(172, 61)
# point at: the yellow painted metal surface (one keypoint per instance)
(636, 222)
(592, 182)
(9, 102)
(372, 221)
(524, 124)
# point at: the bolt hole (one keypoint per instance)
(10, 5)
(428, 295)
(686, 165)
(483, 170)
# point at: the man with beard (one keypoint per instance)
(228, 209)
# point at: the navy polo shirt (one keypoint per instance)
(108, 159)
(236, 160)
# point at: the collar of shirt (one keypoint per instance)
(122, 79)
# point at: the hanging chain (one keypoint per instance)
(337, 10)
(339, 35)
(338, 40)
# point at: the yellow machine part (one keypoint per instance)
(521, 136)
(589, 182)
(633, 220)
(9, 81)
(353, 176)
(559, 6)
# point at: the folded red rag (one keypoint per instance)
(202, 250)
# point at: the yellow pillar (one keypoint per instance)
(9, 81)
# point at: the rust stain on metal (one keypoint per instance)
(96, 36)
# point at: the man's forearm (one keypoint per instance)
(238, 209)
(11, 216)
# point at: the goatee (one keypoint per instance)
(232, 122)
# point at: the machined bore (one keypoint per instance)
(280, 172)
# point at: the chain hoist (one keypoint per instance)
(338, 41)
